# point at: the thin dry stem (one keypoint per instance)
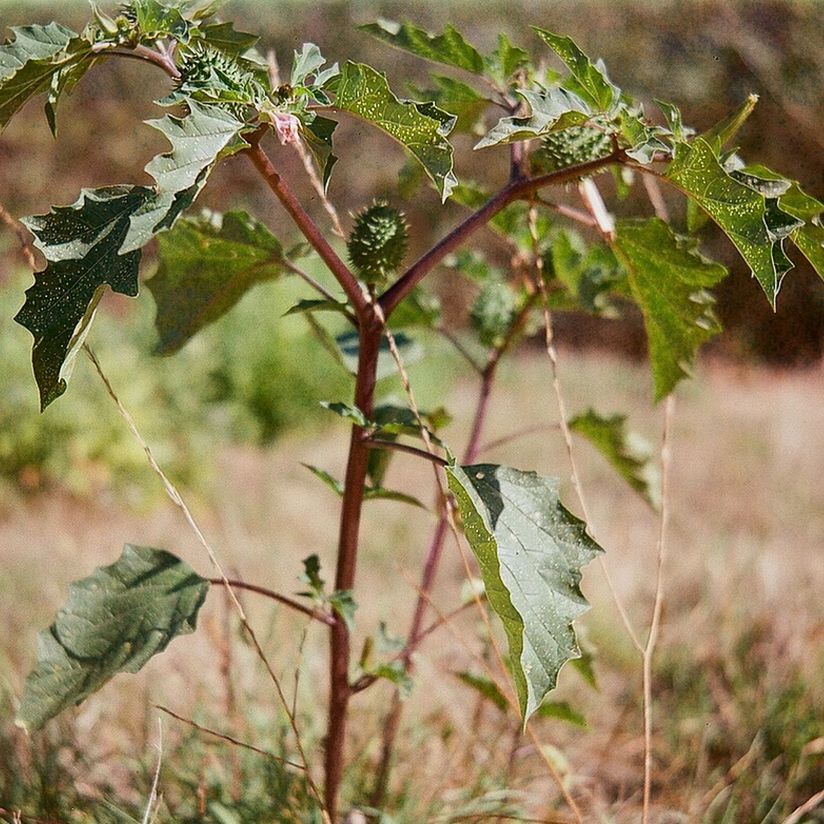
(655, 624)
(317, 185)
(147, 815)
(177, 500)
(808, 806)
(229, 739)
(563, 423)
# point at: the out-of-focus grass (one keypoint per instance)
(738, 729)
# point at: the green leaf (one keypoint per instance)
(395, 673)
(530, 550)
(419, 308)
(155, 19)
(311, 576)
(206, 265)
(458, 99)
(343, 604)
(507, 59)
(225, 37)
(29, 61)
(591, 82)
(628, 453)
(756, 227)
(486, 687)
(82, 244)
(448, 48)
(562, 711)
(410, 350)
(197, 142)
(114, 621)
(552, 110)
(380, 493)
(306, 61)
(347, 412)
(669, 279)
(493, 312)
(725, 130)
(318, 138)
(68, 76)
(363, 91)
(333, 483)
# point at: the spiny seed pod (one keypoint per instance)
(378, 242)
(493, 312)
(569, 147)
(211, 75)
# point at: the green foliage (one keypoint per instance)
(206, 265)
(419, 127)
(519, 531)
(669, 281)
(754, 223)
(114, 621)
(628, 453)
(377, 243)
(494, 312)
(82, 246)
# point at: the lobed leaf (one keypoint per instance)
(449, 48)
(30, 60)
(114, 621)
(669, 279)
(198, 139)
(82, 245)
(206, 266)
(627, 452)
(530, 550)
(505, 60)
(756, 226)
(420, 127)
(552, 109)
(590, 80)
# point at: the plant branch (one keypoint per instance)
(147, 55)
(323, 617)
(518, 189)
(369, 334)
(228, 738)
(307, 226)
(377, 443)
(652, 638)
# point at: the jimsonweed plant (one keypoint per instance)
(557, 134)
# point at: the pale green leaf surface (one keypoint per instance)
(27, 64)
(206, 266)
(449, 48)
(114, 621)
(363, 91)
(669, 281)
(551, 110)
(626, 451)
(505, 60)
(197, 141)
(530, 550)
(591, 81)
(744, 215)
(81, 243)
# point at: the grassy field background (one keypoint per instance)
(738, 686)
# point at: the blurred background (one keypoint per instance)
(233, 415)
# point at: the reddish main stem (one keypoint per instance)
(356, 468)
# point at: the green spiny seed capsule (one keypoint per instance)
(211, 75)
(378, 242)
(493, 312)
(569, 147)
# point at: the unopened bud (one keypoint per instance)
(287, 127)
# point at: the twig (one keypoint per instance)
(307, 226)
(447, 334)
(323, 617)
(377, 443)
(807, 807)
(567, 211)
(229, 739)
(156, 781)
(175, 497)
(17, 228)
(514, 436)
(563, 422)
(649, 647)
(514, 190)
(146, 55)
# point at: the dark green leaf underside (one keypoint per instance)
(530, 550)
(114, 621)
